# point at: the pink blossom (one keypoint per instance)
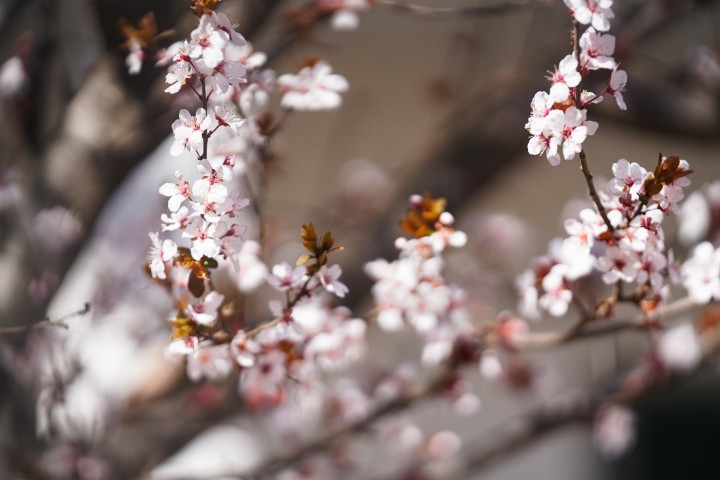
(266, 375)
(204, 311)
(208, 42)
(565, 77)
(313, 88)
(160, 255)
(176, 220)
(178, 192)
(209, 361)
(616, 85)
(701, 273)
(596, 50)
(619, 264)
(679, 347)
(245, 350)
(614, 430)
(284, 277)
(598, 13)
(189, 130)
(329, 280)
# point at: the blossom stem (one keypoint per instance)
(583, 158)
(290, 303)
(46, 322)
(205, 136)
(593, 192)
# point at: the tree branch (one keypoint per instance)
(475, 10)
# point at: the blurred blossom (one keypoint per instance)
(65, 462)
(365, 191)
(490, 366)
(444, 444)
(10, 190)
(704, 67)
(57, 228)
(251, 271)
(13, 77)
(695, 219)
(679, 348)
(502, 239)
(41, 287)
(614, 430)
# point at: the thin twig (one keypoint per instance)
(46, 322)
(583, 158)
(288, 305)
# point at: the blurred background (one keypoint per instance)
(437, 102)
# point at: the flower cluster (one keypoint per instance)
(558, 124)
(412, 288)
(628, 249)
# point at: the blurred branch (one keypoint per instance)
(475, 10)
(46, 322)
(583, 330)
(326, 441)
(572, 406)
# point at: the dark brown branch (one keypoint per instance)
(583, 158)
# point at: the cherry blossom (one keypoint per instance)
(629, 178)
(284, 277)
(566, 76)
(205, 312)
(178, 192)
(212, 362)
(208, 42)
(204, 241)
(598, 13)
(596, 50)
(178, 73)
(189, 130)
(679, 347)
(329, 280)
(176, 220)
(266, 375)
(160, 255)
(251, 270)
(701, 273)
(574, 131)
(616, 85)
(312, 88)
(245, 350)
(345, 15)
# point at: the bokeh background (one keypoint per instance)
(437, 103)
